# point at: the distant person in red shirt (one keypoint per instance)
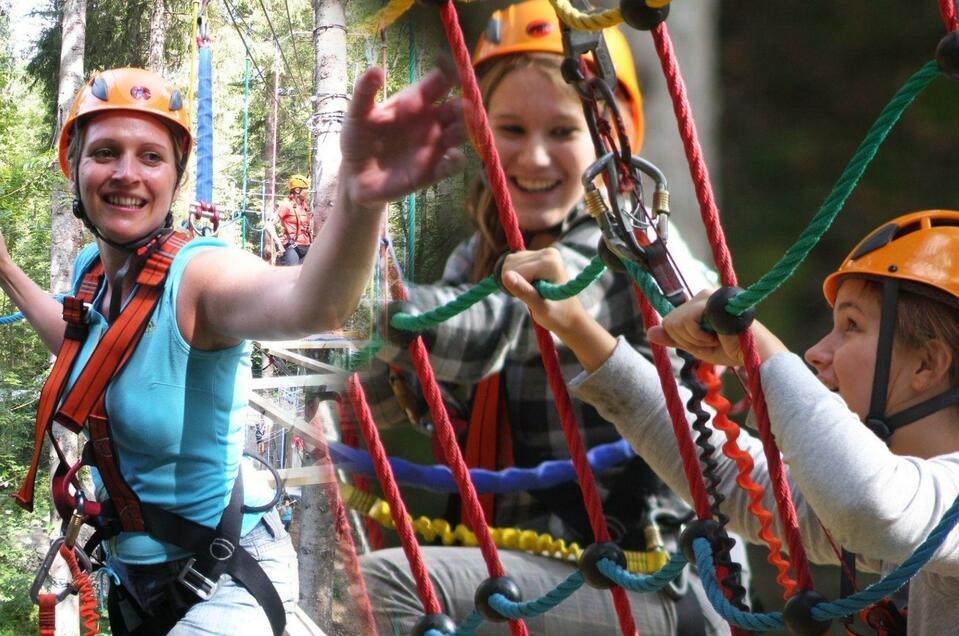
(296, 222)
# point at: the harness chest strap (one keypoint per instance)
(116, 345)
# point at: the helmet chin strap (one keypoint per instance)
(877, 420)
(130, 248)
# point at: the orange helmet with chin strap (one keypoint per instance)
(533, 27)
(918, 252)
(128, 89)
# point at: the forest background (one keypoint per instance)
(785, 93)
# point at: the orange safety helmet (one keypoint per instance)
(533, 27)
(297, 181)
(920, 247)
(133, 89)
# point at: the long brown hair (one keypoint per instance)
(479, 202)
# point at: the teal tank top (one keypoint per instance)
(177, 418)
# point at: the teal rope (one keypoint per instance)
(584, 279)
(643, 582)
(648, 286)
(420, 322)
(543, 604)
(762, 288)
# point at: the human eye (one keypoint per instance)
(564, 132)
(151, 157)
(103, 152)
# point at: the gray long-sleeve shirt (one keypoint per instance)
(873, 502)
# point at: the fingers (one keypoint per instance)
(545, 264)
(436, 84)
(521, 288)
(364, 92)
(658, 335)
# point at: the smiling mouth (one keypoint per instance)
(124, 201)
(535, 186)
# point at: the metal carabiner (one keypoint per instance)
(43, 572)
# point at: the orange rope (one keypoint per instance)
(744, 463)
(89, 617)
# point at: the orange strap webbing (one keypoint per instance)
(114, 348)
(489, 442)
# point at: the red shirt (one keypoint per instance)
(296, 221)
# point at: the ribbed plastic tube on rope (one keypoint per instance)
(439, 478)
(723, 260)
(204, 127)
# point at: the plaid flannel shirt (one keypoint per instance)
(496, 335)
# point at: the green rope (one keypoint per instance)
(584, 279)
(361, 359)
(787, 265)
(420, 322)
(648, 286)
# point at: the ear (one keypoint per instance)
(932, 366)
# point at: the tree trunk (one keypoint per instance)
(66, 237)
(317, 545)
(157, 37)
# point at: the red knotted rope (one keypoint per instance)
(384, 472)
(89, 617)
(723, 259)
(948, 10)
(482, 138)
(374, 531)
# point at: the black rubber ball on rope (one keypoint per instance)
(609, 259)
(432, 3)
(947, 54)
(797, 614)
(495, 585)
(589, 563)
(396, 336)
(698, 529)
(639, 15)
(439, 622)
(721, 320)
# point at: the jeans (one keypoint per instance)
(231, 609)
(457, 572)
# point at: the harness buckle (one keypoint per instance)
(196, 581)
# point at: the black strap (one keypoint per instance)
(921, 410)
(847, 579)
(876, 419)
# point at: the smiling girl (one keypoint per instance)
(544, 145)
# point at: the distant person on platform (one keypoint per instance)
(296, 222)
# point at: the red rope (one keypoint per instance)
(784, 504)
(723, 259)
(384, 472)
(453, 457)
(374, 531)
(948, 10)
(677, 414)
(485, 145)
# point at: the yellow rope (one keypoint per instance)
(504, 538)
(385, 16)
(586, 21)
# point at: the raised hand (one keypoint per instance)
(406, 143)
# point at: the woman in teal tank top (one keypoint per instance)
(173, 408)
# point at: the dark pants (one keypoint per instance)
(294, 254)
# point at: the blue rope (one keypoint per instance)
(550, 600)
(470, 625)
(643, 582)
(440, 479)
(732, 614)
(895, 579)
